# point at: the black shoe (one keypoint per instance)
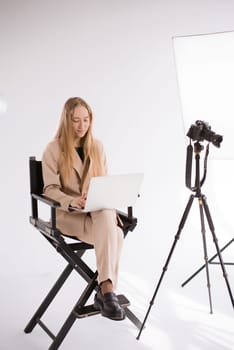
(109, 306)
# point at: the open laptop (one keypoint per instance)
(112, 192)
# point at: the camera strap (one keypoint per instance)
(189, 159)
(205, 165)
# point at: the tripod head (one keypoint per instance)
(198, 132)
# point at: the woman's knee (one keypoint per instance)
(106, 221)
(104, 217)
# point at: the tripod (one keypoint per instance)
(203, 209)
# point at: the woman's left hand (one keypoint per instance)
(79, 202)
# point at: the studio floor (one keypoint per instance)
(180, 318)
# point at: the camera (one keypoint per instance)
(201, 131)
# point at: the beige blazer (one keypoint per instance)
(70, 223)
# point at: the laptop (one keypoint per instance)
(112, 192)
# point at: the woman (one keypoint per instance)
(68, 163)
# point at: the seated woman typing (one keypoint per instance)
(68, 163)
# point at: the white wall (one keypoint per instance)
(118, 55)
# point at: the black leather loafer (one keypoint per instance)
(109, 306)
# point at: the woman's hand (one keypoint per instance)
(79, 202)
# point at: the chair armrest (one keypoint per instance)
(126, 222)
(52, 203)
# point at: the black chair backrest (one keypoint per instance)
(36, 179)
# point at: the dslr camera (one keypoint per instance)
(201, 131)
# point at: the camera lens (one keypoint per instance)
(216, 140)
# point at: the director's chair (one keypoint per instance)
(72, 252)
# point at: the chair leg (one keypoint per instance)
(49, 298)
(73, 315)
(63, 332)
(131, 316)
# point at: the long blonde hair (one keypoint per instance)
(67, 142)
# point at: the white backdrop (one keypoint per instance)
(205, 74)
(119, 57)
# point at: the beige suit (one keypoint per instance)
(98, 228)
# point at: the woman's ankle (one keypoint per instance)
(106, 287)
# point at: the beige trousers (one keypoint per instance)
(100, 229)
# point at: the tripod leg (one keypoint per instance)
(177, 236)
(203, 231)
(210, 261)
(212, 229)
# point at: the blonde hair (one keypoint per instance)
(67, 142)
